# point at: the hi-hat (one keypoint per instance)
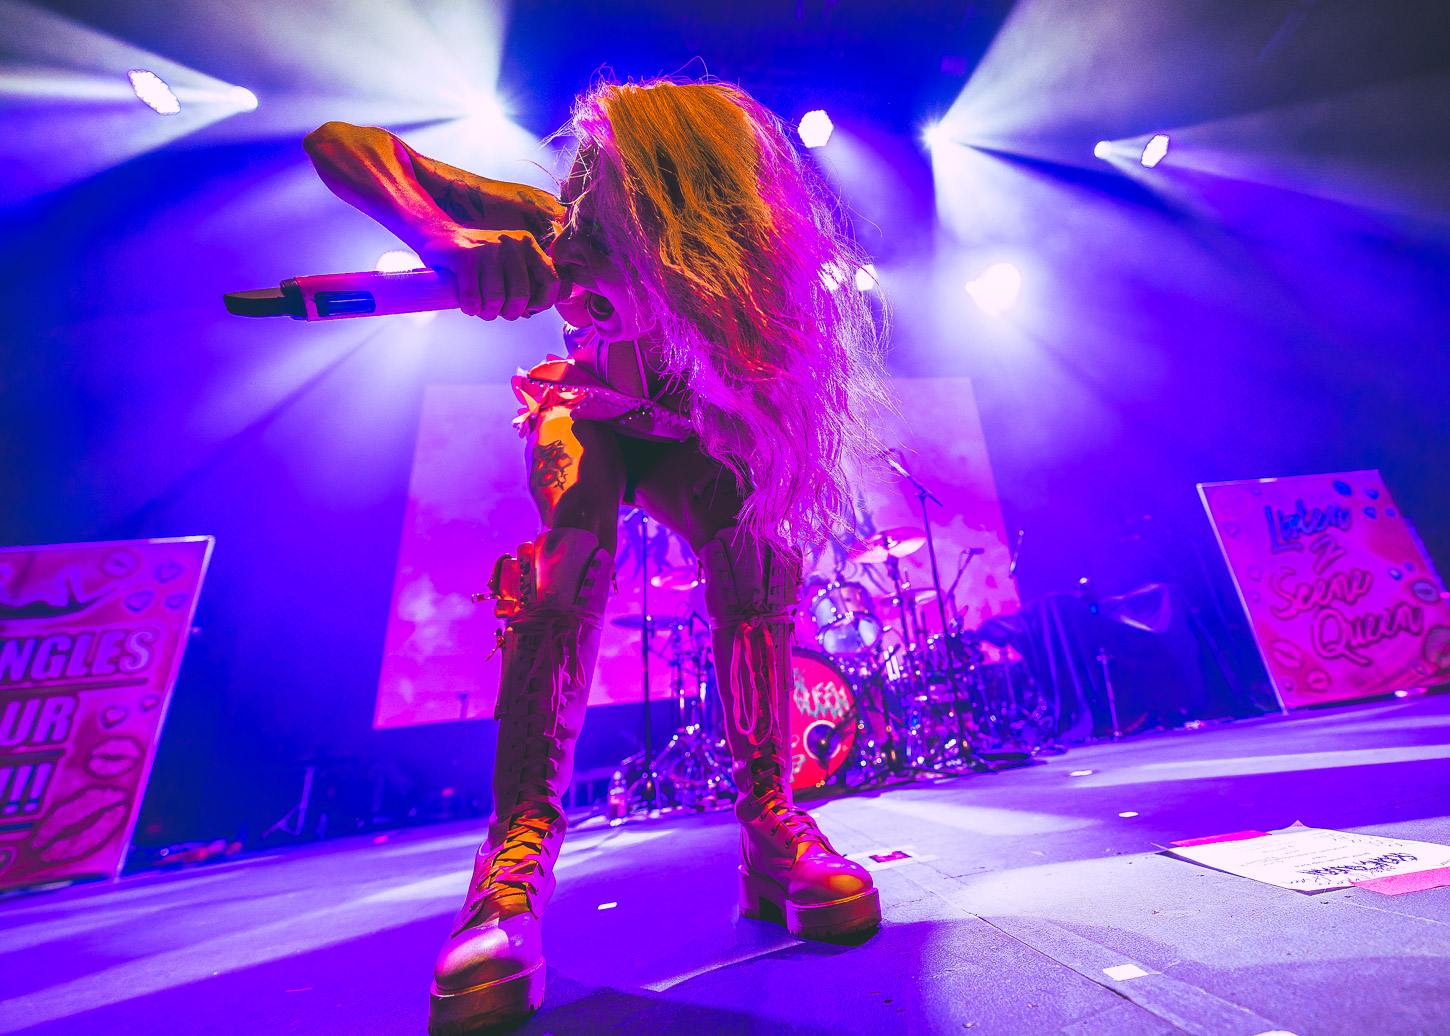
(890, 543)
(680, 579)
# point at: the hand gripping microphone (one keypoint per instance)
(337, 296)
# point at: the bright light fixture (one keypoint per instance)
(1103, 149)
(996, 288)
(397, 260)
(815, 128)
(937, 136)
(1154, 150)
(866, 277)
(153, 92)
(243, 98)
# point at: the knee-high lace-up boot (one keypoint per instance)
(491, 970)
(788, 869)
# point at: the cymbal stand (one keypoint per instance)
(646, 787)
(965, 755)
(690, 763)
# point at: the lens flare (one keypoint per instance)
(996, 288)
(815, 128)
(153, 92)
(1155, 150)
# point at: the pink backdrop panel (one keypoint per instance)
(467, 504)
(91, 639)
(1341, 596)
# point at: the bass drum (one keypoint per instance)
(822, 719)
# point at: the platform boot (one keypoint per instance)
(491, 970)
(789, 871)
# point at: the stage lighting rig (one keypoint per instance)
(996, 288)
(1103, 149)
(1155, 150)
(154, 93)
(815, 128)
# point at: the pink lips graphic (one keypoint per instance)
(80, 826)
(114, 756)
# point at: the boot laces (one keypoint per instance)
(519, 860)
(768, 789)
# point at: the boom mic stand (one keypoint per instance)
(964, 751)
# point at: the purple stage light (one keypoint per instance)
(866, 277)
(1103, 149)
(815, 128)
(1155, 150)
(996, 288)
(153, 92)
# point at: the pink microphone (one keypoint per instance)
(337, 296)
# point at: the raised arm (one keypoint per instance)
(489, 233)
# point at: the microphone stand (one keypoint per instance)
(922, 496)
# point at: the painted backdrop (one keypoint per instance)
(1342, 598)
(467, 504)
(91, 639)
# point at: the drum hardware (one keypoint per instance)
(890, 543)
(680, 579)
(657, 624)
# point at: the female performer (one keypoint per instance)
(723, 374)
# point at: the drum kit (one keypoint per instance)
(883, 700)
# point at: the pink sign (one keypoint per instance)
(1343, 601)
(91, 639)
(468, 503)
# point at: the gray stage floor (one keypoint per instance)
(1023, 886)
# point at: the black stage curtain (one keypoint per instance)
(1164, 665)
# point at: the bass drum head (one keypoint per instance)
(822, 719)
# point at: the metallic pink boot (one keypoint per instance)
(788, 870)
(491, 970)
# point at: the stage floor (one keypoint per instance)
(1023, 887)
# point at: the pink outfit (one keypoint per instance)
(609, 382)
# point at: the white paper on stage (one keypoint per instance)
(1308, 859)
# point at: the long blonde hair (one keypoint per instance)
(738, 247)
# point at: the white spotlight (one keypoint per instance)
(244, 98)
(815, 128)
(996, 288)
(1154, 150)
(866, 277)
(937, 136)
(396, 260)
(1103, 149)
(153, 92)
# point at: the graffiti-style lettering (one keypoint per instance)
(15, 656)
(1326, 551)
(17, 722)
(1312, 594)
(50, 657)
(52, 726)
(63, 657)
(138, 646)
(76, 667)
(108, 646)
(1336, 635)
(1287, 529)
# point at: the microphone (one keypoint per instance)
(337, 296)
(896, 465)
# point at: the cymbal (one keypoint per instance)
(681, 578)
(657, 623)
(889, 543)
(914, 594)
